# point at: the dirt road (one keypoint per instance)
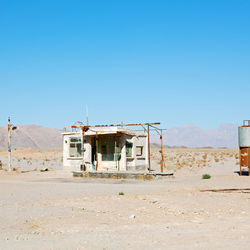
(52, 210)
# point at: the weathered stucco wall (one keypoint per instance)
(134, 163)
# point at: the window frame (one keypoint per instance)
(129, 145)
(77, 152)
(141, 151)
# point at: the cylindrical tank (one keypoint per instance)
(244, 145)
(244, 136)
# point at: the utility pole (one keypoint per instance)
(10, 127)
(9, 146)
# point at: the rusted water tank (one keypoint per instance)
(244, 144)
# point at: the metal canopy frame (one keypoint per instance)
(146, 128)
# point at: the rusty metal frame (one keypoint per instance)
(146, 127)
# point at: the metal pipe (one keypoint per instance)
(162, 155)
(83, 168)
(117, 125)
(148, 149)
(130, 124)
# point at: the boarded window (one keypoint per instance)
(75, 147)
(129, 146)
(139, 150)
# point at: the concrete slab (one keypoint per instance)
(123, 175)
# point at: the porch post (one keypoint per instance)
(97, 150)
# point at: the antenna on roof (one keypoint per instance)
(87, 115)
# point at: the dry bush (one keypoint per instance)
(204, 156)
(216, 160)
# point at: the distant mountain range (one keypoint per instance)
(34, 136)
(192, 136)
(31, 136)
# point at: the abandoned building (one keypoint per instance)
(113, 148)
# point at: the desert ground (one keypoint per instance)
(53, 210)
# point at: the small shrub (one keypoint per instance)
(206, 176)
(121, 193)
(44, 170)
(216, 160)
(204, 156)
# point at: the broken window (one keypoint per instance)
(139, 150)
(129, 146)
(108, 148)
(75, 147)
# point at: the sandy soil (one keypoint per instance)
(53, 210)
(33, 159)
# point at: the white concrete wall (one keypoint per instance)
(132, 163)
(137, 162)
(70, 163)
(87, 153)
(141, 161)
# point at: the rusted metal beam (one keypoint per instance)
(117, 125)
(149, 164)
(161, 151)
(125, 125)
(157, 129)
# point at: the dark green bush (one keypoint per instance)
(206, 176)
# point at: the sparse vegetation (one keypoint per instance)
(204, 156)
(44, 170)
(216, 160)
(206, 176)
(121, 193)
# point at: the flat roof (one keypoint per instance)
(107, 131)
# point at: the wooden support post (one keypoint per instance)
(9, 146)
(96, 151)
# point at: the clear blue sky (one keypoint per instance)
(175, 62)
